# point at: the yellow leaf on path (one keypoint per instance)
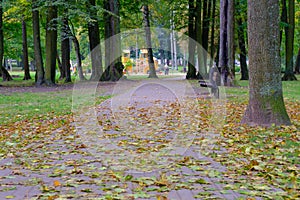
(53, 197)
(56, 183)
(158, 197)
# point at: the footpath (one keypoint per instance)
(148, 141)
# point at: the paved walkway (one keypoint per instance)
(146, 142)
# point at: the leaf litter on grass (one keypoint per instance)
(260, 162)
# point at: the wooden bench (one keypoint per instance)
(212, 83)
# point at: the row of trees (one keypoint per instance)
(218, 26)
(101, 19)
(232, 37)
(60, 17)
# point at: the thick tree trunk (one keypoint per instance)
(94, 38)
(297, 65)
(113, 61)
(289, 41)
(37, 45)
(51, 45)
(191, 73)
(242, 46)
(25, 51)
(5, 75)
(226, 54)
(65, 48)
(266, 105)
(152, 72)
(223, 54)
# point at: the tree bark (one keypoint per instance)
(223, 54)
(283, 19)
(230, 42)
(65, 47)
(266, 105)
(297, 65)
(242, 46)
(78, 58)
(51, 45)
(60, 67)
(289, 41)
(113, 61)
(191, 73)
(199, 39)
(25, 51)
(5, 75)
(212, 36)
(94, 40)
(152, 72)
(37, 45)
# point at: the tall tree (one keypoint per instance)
(65, 46)
(297, 65)
(289, 44)
(198, 30)
(25, 51)
(51, 43)
(212, 33)
(3, 72)
(266, 105)
(283, 19)
(78, 54)
(191, 73)
(205, 34)
(94, 41)
(226, 53)
(242, 42)
(113, 61)
(37, 45)
(230, 41)
(152, 72)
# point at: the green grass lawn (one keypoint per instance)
(291, 89)
(25, 106)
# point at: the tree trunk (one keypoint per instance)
(205, 34)
(37, 45)
(266, 105)
(289, 41)
(191, 73)
(5, 75)
(78, 58)
(223, 54)
(25, 51)
(113, 61)
(297, 65)
(242, 46)
(94, 40)
(152, 72)
(51, 45)
(230, 42)
(212, 36)
(199, 39)
(60, 67)
(226, 54)
(283, 19)
(65, 47)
